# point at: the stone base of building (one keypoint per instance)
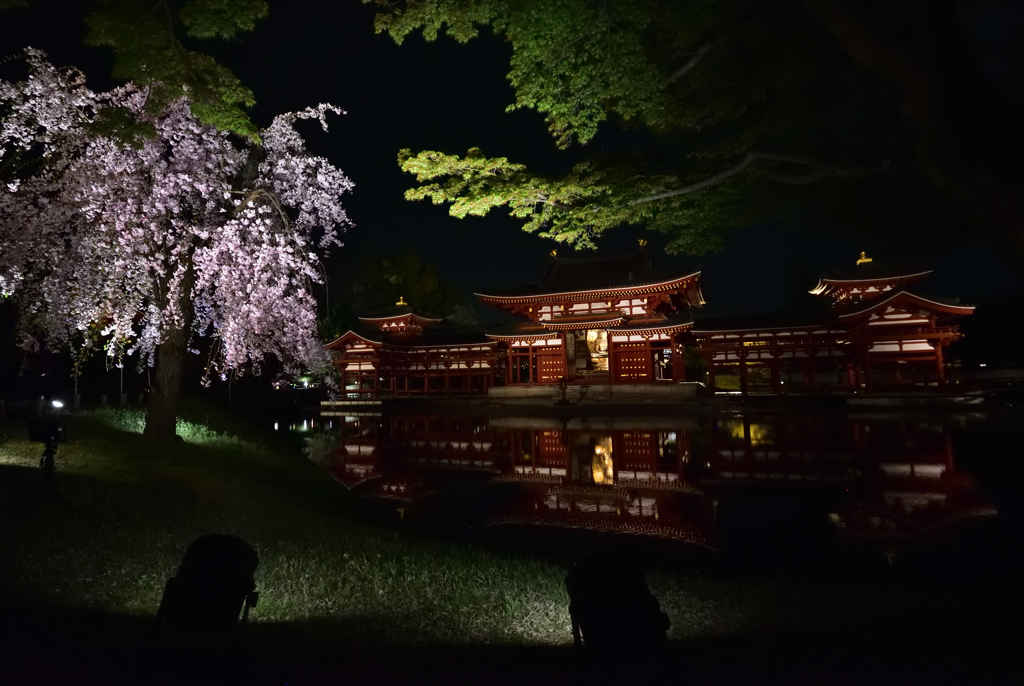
(666, 392)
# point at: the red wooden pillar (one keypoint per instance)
(939, 365)
(849, 376)
(710, 357)
(776, 376)
(342, 366)
(743, 375)
(564, 338)
(531, 359)
(810, 381)
(650, 373)
(613, 362)
(447, 378)
(678, 359)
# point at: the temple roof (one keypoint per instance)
(395, 312)
(586, 274)
(867, 271)
(520, 331)
(441, 335)
(672, 321)
(444, 335)
(372, 337)
(872, 271)
(951, 307)
(583, 321)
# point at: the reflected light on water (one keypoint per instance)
(884, 479)
(760, 434)
(602, 467)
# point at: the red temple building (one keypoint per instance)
(615, 322)
(876, 333)
(398, 353)
(598, 319)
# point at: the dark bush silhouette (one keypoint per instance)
(612, 606)
(214, 584)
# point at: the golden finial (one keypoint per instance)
(401, 301)
(863, 258)
(554, 253)
(642, 242)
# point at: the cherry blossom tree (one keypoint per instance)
(144, 232)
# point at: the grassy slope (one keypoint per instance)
(323, 575)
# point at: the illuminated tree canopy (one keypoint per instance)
(834, 110)
(143, 237)
(146, 39)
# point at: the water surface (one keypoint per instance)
(751, 488)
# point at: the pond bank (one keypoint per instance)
(706, 406)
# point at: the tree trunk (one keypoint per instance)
(162, 411)
(965, 136)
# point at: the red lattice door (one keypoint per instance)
(632, 362)
(550, 367)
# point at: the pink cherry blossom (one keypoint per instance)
(133, 239)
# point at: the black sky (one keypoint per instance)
(444, 96)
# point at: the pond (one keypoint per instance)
(752, 489)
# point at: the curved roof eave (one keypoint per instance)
(612, 289)
(865, 279)
(327, 346)
(875, 303)
(400, 316)
(668, 328)
(522, 337)
(554, 325)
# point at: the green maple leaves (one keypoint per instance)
(147, 51)
(575, 61)
(575, 208)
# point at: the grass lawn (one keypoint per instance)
(325, 576)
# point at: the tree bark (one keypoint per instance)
(963, 131)
(818, 171)
(162, 411)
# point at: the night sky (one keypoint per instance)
(448, 97)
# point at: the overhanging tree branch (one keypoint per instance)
(692, 62)
(819, 170)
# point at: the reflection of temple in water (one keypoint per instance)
(626, 479)
(890, 479)
(899, 472)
